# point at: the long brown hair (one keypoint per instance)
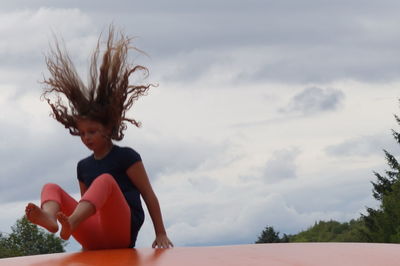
(108, 95)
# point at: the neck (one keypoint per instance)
(100, 154)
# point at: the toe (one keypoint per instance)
(61, 217)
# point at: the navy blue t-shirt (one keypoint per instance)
(116, 163)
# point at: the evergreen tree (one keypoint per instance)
(268, 235)
(383, 224)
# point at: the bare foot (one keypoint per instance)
(66, 227)
(37, 216)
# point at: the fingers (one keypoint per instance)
(162, 241)
(162, 244)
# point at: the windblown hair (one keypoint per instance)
(108, 95)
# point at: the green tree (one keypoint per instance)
(383, 224)
(332, 231)
(268, 235)
(5, 251)
(27, 239)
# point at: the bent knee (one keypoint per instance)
(106, 180)
(105, 177)
(51, 186)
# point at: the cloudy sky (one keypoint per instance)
(267, 112)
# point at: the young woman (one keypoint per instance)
(112, 179)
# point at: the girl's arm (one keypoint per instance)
(137, 174)
(82, 187)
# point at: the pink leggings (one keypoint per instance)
(110, 226)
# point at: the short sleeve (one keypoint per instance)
(78, 172)
(128, 157)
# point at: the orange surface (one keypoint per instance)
(298, 254)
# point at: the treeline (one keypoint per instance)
(322, 231)
(333, 231)
(381, 225)
(27, 239)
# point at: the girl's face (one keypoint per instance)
(93, 134)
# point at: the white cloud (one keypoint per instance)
(27, 35)
(314, 100)
(281, 166)
(371, 145)
(28, 32)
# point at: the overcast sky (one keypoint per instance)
(267, 112)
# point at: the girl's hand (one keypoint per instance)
(162, 241)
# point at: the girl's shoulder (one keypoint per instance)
(83, 165)
(127, 155)
(125, 150)
(85, 160)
